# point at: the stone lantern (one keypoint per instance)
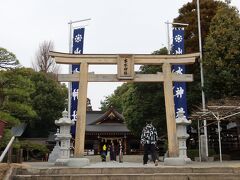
(182, 135)
(64, 137)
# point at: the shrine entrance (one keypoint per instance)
(125, 63)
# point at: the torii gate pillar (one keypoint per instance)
(170, 113)
(81, 113)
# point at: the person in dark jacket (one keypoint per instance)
(148, 140)
(112, 152)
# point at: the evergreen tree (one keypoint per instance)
(31, 97)
(7, 59)
(188, 15)
(115, 100)
(48, 101)
(222, 54)
(16, 90)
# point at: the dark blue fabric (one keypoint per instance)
(179, 89)
(78, 37)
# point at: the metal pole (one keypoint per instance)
(82, 20)
(168, 33)
(70, 70)
(176, 23)
(168, 38)
(201, 73)
(6, 149)
(70, 37)
(219, 139)
(199, 143)
(70, 66)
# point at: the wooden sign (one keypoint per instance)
(125, 67)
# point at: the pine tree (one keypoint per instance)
(222, 54)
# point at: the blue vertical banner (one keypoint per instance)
(78, 37)
(179, 88)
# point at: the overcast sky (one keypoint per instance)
(117, 26)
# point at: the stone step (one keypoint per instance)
(155, 176)
(127, 170)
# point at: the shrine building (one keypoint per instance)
(110, 127)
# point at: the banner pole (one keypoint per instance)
(201, 73)
(70, 70)
(70, 66)
(168, 33)
(82, 20)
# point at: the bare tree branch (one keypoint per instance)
(43, 62)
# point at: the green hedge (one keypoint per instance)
(37, 151)
(192, 153)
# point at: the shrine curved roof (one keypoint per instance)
(109, 121)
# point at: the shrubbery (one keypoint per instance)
(36, 151)
(192, 153)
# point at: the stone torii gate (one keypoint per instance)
(125, 63)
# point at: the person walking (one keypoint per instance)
(112, 151)
(103, 150)
(148, 140)
(120, 151)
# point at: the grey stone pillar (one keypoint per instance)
(203, 148)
